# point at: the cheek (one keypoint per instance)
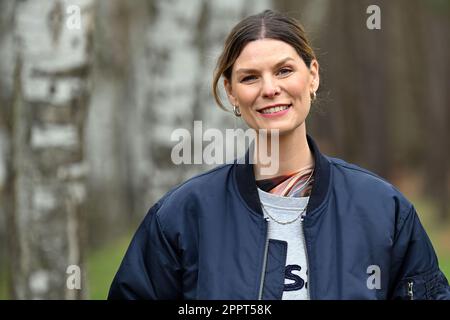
(247, 96)
(298, 88)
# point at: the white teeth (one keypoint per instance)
(274, 109)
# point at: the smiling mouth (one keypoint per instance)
(274, 110)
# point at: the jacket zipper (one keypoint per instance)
(308, 281)
(410, 290)
(263, 273)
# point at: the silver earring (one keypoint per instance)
(236, 111)
(313, 96)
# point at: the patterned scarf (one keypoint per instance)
(294, 184)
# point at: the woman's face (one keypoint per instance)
(270, 72)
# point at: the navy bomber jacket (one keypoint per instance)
(207, 239)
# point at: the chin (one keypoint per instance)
(283, 130)
(283, 126)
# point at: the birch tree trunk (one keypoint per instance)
(6, 77)
(51, 73)
(153, 71)
(179, 68)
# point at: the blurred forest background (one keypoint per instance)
(86, 116)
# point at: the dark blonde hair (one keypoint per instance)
(268, 24)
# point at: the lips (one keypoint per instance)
(275, 108)
(275, 111)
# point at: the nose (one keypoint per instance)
(270, 88)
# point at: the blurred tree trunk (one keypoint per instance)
(50, 94)
(152, 75)
(110, 142)
(369, 60)
(434, 23)
(180, 66)
(6, 77)
(404, 87)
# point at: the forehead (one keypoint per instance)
(265, 52)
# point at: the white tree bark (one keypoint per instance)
(51, 88)
(153, 75)
(6, 72)
(183, 43)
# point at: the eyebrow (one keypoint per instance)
(244, 70)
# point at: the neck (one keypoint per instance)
(294, 154)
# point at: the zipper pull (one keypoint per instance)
(410, 290)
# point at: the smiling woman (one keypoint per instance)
(275, 94)
(317, 228)
(275, 88)
(271, 76)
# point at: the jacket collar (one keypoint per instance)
(245, 178)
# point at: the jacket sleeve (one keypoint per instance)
(151, 268)
(417, 275)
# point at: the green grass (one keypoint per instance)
(3, 284)
(102, 265)
(439, 233)
(444, 264)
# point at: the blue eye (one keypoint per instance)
(286, 70)
(282, 71)
(247, 78)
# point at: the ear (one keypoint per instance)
(314, 71)
(229, 91)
